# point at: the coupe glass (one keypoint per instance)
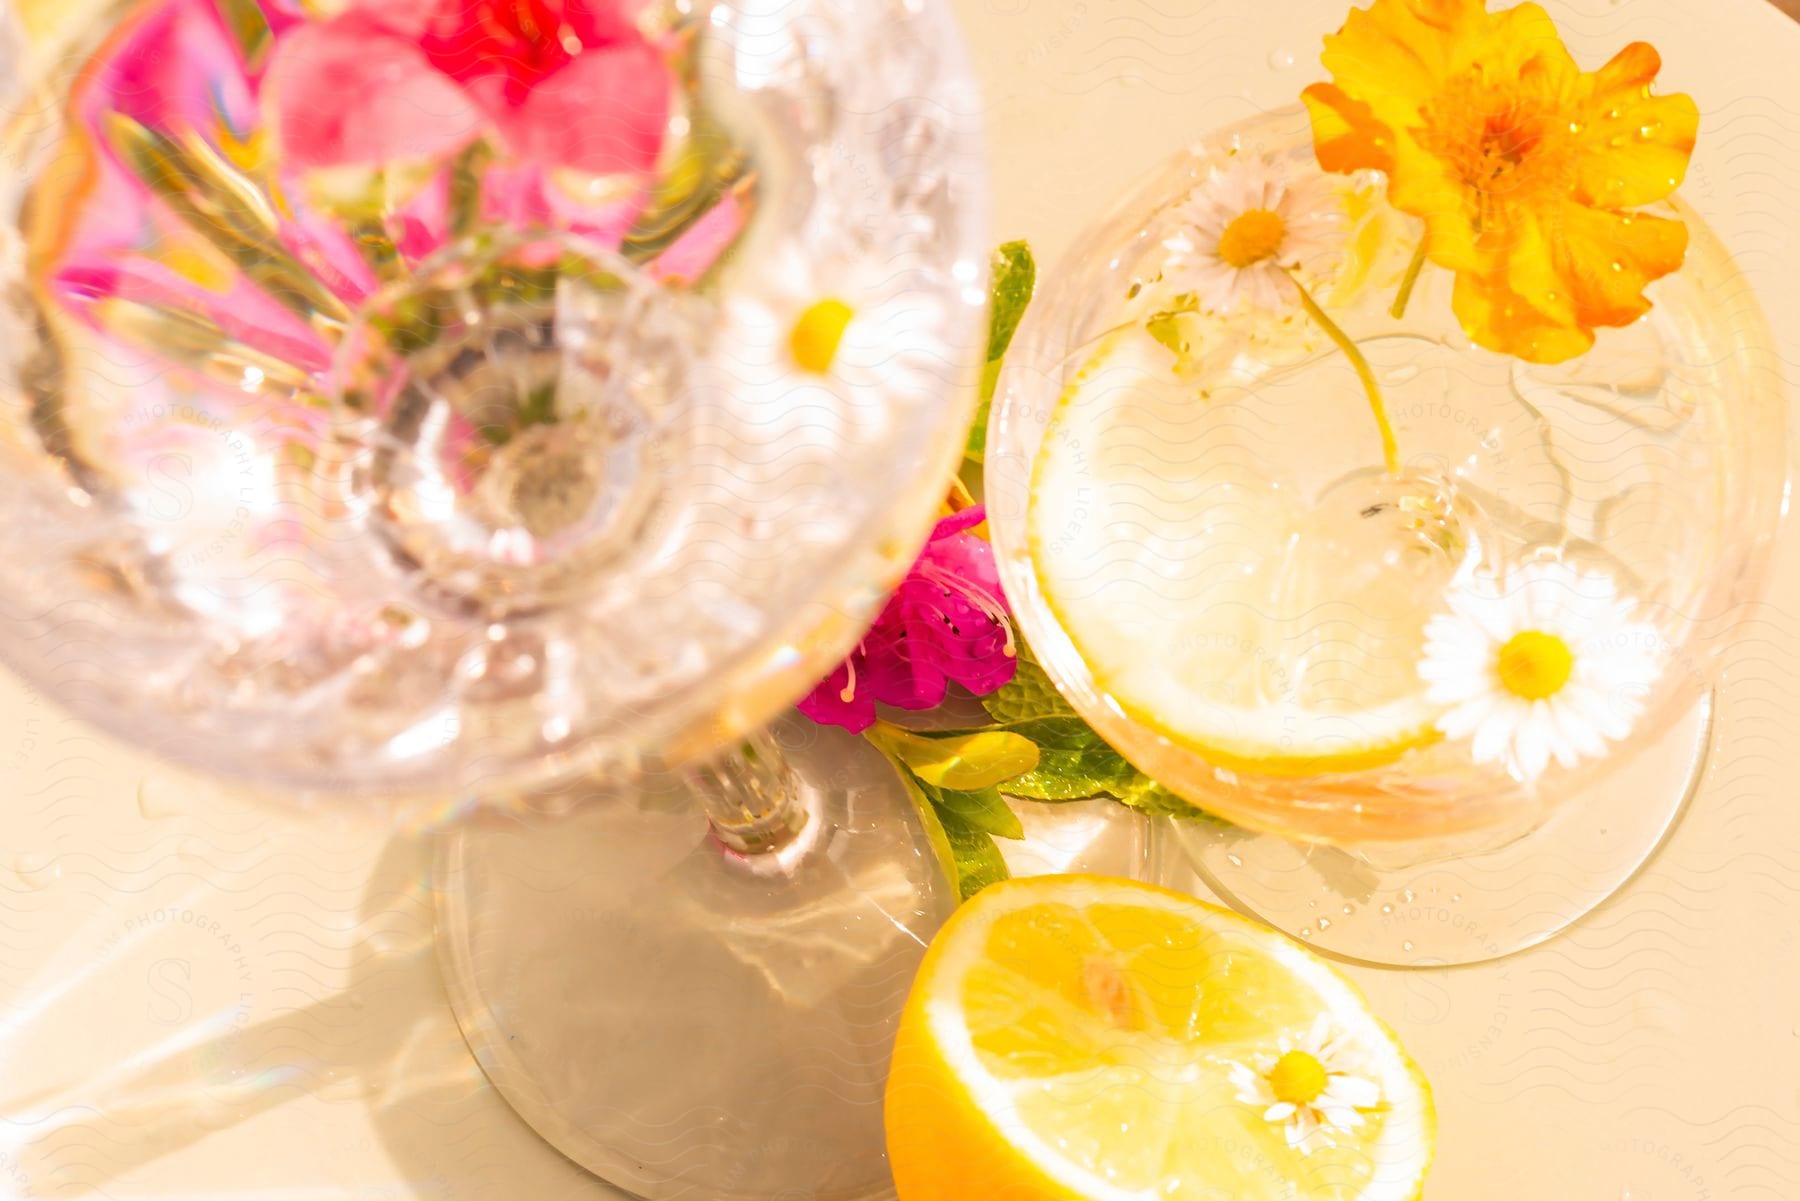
(1229, 530)
(507, 410)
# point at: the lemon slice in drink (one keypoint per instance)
(1075, 1037)
(1232, 567)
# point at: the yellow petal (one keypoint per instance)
(1427, 186)
(1607, 259)
(1346, 135)
(1497, 318)
(1393, 56)
(1513, 38)
(1533, 273)
(1564, 275)
(1520, 165)
(1634, 147)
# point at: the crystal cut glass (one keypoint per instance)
(506, 410)
(1206, 550)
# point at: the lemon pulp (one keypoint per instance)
(1073, 1037)
(1225, 579)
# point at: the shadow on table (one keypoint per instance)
(387, 1041)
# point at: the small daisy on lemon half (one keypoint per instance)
(1079, 1038)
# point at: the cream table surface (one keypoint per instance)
(201, 997)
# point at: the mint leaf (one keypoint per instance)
(1028, 695)
(1074, 762)
(985, 810)
(1076, 775)
(1014, 280)
(1152, 798)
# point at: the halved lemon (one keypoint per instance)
(1232, 565)
(1077, 1038)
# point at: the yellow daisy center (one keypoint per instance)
(1252, 237)
(1535, 665)
(1298, 1078)
(817, 334)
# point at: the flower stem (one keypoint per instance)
(1412, 278)
(1390, 449)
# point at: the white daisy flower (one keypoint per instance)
(1245, 228)
(1548, 666)
(813, 362)
(859, 330)
(1312, 1086)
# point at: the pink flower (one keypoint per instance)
(175, 68)
(946, 622)
(563, 83)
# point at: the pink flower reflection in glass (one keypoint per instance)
(562, 83)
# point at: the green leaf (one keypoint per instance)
(977, 860)
(1028, 695)
(985, 810)
(962, 762)
(1014, 280)
(1170, 329)
(1074, 762)
(968, 856)
(467, 171)
(935, 834)
(1076, 775)
(990, 380)
(1152, 798)
(1166, 328)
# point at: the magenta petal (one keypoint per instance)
(897, 669)
(827, 706)
(700, 246)
(969, 559)
(245, 313)
(413, 19)
(330, 253)
(988, 671)
(602, 22)
(517, 197)
(173, 68)
(421, 226)
(349, 93)
(956, 523)
(282, 15)
(907, 682)
(605, 113)
(605, 225)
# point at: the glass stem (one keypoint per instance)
(1409, 282)
(1390, 448)
(748, 794)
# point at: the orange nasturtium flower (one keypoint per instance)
(1525, 169)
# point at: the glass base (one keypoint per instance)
(686, 1021)
(1448, 904)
